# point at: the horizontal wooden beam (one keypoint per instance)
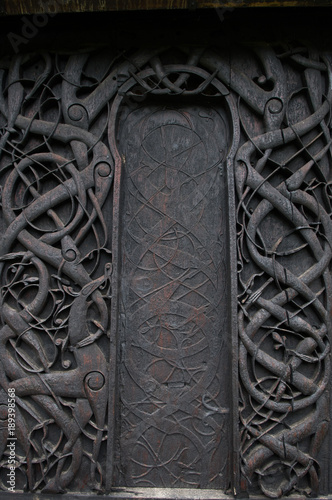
(24, 7)
(143, 494)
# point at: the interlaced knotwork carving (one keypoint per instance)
(73, 240)
(56, 271)
(284, 250)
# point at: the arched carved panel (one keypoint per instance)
(176, 342)
(67, 303)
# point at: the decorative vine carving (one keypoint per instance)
(61, 259)
(56, 272)
(284, 250)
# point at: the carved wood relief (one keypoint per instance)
(177, 357)
(137, 190)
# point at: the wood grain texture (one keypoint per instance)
(23, 7)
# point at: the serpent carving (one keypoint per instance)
(74, 250)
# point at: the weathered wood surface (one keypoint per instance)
(22, 7)
(120, 261)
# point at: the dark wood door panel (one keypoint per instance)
(175, 286)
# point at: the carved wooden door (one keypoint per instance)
(176, 342)
(166, 284)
